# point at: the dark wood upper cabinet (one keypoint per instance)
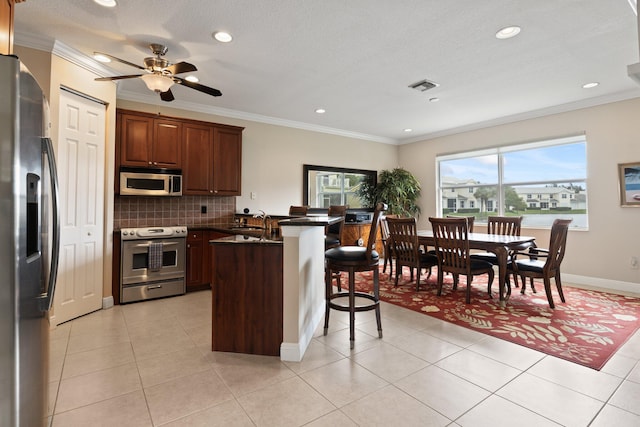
(209, 154)
(227, 161)
(150, 142)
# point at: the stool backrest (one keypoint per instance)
(375, 223)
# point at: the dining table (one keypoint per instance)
(499, 244)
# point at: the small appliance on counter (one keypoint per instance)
(152, 263)
(358, 217)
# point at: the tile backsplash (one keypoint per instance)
(135, 211)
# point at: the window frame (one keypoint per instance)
(500, 152)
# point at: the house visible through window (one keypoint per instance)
(541, 181)
(327, 186)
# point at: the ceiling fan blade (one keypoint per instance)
(197, 86)
(181, 67)
(167, 96)
(107, 79)
(121, 60)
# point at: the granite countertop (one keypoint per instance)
(310, 220)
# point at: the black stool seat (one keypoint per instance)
(346, 254)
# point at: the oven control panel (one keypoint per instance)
(153, 233)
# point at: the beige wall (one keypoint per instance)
(52, 72)
(613, 136)
(272, 157)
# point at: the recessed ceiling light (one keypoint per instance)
(434, 99)
(101, 58)
(321, 110)
(508, 32)
(192, 79)
(407, 130)
(106, 3)
(590, 85)
(222, 36)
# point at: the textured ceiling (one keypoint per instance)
(357, 58)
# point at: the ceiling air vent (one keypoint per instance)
(423, 85)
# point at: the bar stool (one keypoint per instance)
(352, 259)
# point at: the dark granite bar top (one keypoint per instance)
(310, 220)
(244, 239)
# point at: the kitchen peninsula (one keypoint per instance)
(268, 295)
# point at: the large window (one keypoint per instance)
(541, 181)
(326, 186)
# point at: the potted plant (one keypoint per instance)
(398, 188)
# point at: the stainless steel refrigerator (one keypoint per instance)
(29, 244)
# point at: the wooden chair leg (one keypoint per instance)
(469, 280)
(547, 289)
(559, 286)
(440, 280)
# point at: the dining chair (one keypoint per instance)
(470, 220)
(451, 238)
(298, 210)
(535, 268)
(333, 234)
(386, 245)
(352, 259)
(503, 225)
(406, 249)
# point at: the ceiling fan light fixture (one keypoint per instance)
(157, 82)
(590, 85)
(106, 3)
(508, 32)
(101, 58)
(222, 36)
(192, 79)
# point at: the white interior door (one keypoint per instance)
(81, 157)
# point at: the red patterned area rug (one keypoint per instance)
(587, 330)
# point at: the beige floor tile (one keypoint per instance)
(166, 367)
(478, 369)
(289, 403)
(99, 339)
(631, 348)
(340, 342)
(596, 384)
(634, 375)
(154, 345)
(619, 365)
(390, 406)
(508, 353)
(390, 328)
(201, 334)
(101, 320)
(343, 381)
(60, 331)
(98, 359)
(244, 373)
(552, 401)
(316, 355)
(611, 416)
(498, 412)
(128, 410)
(424, 346)
(226, 414)
(184, 396)
(97, 386)
(333, 419)
(389, 362)
(627, 397)
(454, 334)
(442, 391)
(153, 327)
(145, 311)
(52, 395)
(56, 363)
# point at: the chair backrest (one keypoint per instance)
(298, 210)
(470, 221)
(557, 244)
(404, 235)
(337, 228)
(505, 225)
(375, 223)
(451, 238)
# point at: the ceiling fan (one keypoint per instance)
(159, 74)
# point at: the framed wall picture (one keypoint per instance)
(629, 177)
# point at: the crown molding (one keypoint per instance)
(534, 114)
(235, 114)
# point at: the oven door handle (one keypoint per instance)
(146, 245)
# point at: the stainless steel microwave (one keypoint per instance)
(150, 182)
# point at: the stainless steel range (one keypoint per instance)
(153, 262)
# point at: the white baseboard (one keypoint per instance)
(293, 352)
(107, 302)
(615, 286)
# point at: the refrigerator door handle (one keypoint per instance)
(47, 298)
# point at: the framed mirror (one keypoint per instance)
(325, 186)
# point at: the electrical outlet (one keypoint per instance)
(633, 263)
(253, 195)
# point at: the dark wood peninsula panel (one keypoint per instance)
(247, 297)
